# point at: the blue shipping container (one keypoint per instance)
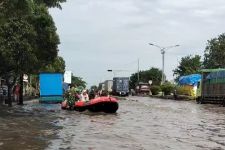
(51, 84)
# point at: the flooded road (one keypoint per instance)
(141, 123)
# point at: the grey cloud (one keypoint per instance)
(100, 34)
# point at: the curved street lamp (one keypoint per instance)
(162, 49)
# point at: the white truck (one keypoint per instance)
(108, 86)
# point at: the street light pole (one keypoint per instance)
(162, 49)
(138, 72)
(163, 65)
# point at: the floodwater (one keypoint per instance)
(141, 123)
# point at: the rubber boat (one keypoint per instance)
(99, 104)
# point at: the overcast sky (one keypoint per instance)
(97, 35)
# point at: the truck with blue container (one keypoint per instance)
(51, 87)
(211, 88)
(120, 86)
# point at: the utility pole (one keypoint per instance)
(138, 72)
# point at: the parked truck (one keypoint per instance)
(211, 88)
(51, 87)
(142, 89)
(108, 86)
(101, 86)
(120, 86)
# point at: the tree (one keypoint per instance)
(188, 65)
(51, 3)
(153, 74)
(94, 87)
(58, 65)
(19, 8)
(215, 53)
(16, 40)
(47, 40)
(78, 81)
(14, 9)
(27, 36)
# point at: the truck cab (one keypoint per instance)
(142, 89)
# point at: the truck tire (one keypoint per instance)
(201, 101)
(198, 99)
(223, 103)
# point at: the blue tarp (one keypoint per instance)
(192, 79)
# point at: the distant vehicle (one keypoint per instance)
(211, 88)
(108, 86)
(120, 86)
(51, 87)
(101, 86)
(142, 89)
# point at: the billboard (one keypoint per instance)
(67, 77)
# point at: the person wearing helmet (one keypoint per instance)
(84, 96)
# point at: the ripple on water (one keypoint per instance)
(142, 123)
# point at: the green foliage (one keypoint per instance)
(28, 38)
(78, 81)
(51, 3)
(155, 89)
(71, 100)
(58, 65)
(153, 74)
(167, 88)
(188, 65)
(71, 96)
(16, 46)
(47, 41)
(215, 53)
(14, 9)
(94, 87)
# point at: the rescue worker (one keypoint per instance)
(84, 96)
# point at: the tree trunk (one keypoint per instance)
(9, 100)
(21, 90)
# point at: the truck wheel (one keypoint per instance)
(201, 101)
(223, 103)
(198, 100)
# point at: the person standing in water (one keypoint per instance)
(84, 96)
(16, 93)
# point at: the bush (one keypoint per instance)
(155, 89)
(167, 88)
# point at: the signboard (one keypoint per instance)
(67, 77)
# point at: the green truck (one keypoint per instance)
(211, 88)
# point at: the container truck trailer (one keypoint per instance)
(120, 86)
(51, 87)
(211, 88)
